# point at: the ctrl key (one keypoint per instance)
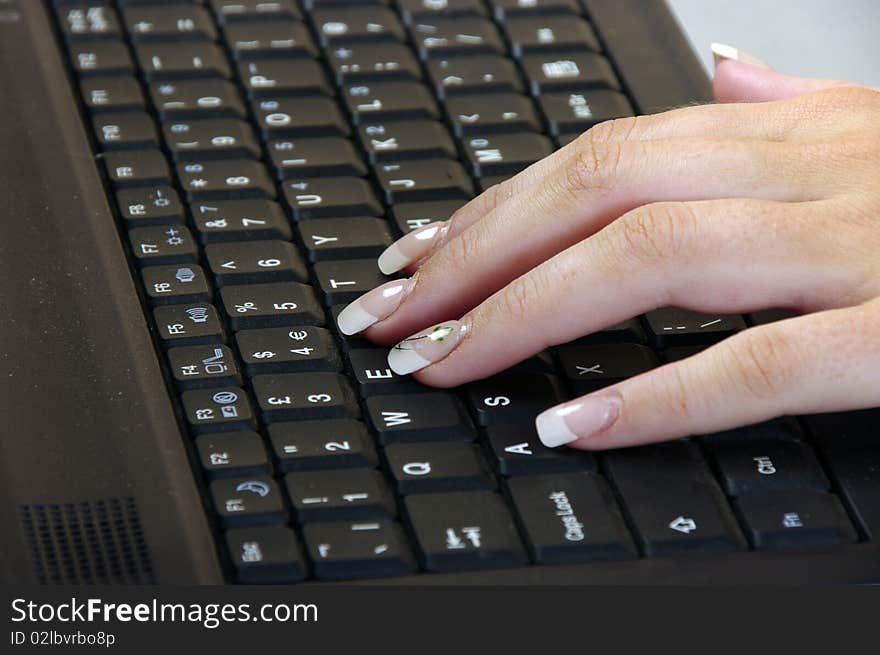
(265, 555)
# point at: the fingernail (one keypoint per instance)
(410, 248)
(373, 306)
(578, 419)
(425, 347)
(722, 52)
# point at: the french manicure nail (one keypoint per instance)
(373, 306)
(410, 248)
(578, 419)
(425, 347)
(722, 52)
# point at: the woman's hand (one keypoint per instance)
(770, 203)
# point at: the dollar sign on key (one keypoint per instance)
(264, 354)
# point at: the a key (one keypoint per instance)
(265, 555)
(591, 367)
(184, 325)
(357, 237)
(353, 495)
(183, 99)
(630, 331)
(475, 74)
(232, 454)
(125, 131)
(376, 101)
(413, 10)
(570, 518)
(671, 326)
(178, 24)
(89, 21)
(274, 304)
(257, 261)
(356, 24)
(343, 281)
(175, 284)
(398, 140)
(240, 220)
(490, 113)
(549, 34)
(267, 78)
(200, 367)
(290, 117)
(136, 168)
(368, 62)
(436, 467)
(463, 530)
(374, 376)
(168, 61)
(166, 244)
(513, 398)
(101, 57)
(411, 216)
(439, 37)
(504, 154)
(225, 179)
(674, 502)
(509, 9)
(292, 396)
(331, 197)
(362, 549)
(517, 450)
(225, 409)
(295, 349)
(231, 11)
(576, 111)
(210, 138)
(427, 179)
(276, 38)
(568, 71)
(248, 501)
(321, 157)
(326, 444)
(433, 416)
(794, 519)
(115, 93)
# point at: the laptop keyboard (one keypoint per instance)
(260, 156)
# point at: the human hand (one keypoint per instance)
(773, 202)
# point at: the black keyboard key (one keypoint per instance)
(101, 57)
(591, 367)
(193, 324)
(355, 24)
(549, 34)
(517, 450)
(232, 454)
(265, 555)
(433, 416)
(368, 62)
(210, 138)
(413, 10)
(671, 326)
(569, 71)
(577, 111)
(343, 281)
(199, 367)
(492, 112)
(345, 238)
(464, 530)
(115, 93)
(326, 444)
(757, 466)
(569, 518)
(161, 61)
(795, 519)
(319, 157)
(436, 467)
(504, 154)
(630, 331)
(248, 501)
(225, 179)
(268, 78)
(332, 196)
(506, 9)
(255, 261)
(398, 140)
(373, 375)
(182, 99)
(349, 495)
(136, 168)
(276, 38)
(363, 549)
(289, 117)
(125, 131)
(231, 11)
(226, 409)
(428, 179)
(89, 20)
(240, 220)
(674, 502)
(166, 244)
(274, 304)
(292, 396)
(476, 74)
(175, 284)
(178, 23)
(288, 350)
(513, 398)
(412, 216)
(375, 101)
(439, 37)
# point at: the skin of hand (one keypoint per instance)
(768, 199)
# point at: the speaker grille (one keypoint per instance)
(98, 542)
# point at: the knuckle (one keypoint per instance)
(520, 298)
(617, 129)
(459, 252)
(655, 233)
(595, 165)
(763, 361)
